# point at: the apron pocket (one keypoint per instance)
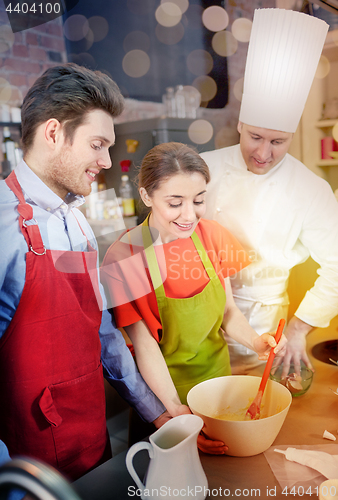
(80, 404)
(48, 409)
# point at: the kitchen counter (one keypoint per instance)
(248, 477)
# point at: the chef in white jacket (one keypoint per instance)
(279, 210)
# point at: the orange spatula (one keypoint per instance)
(253, 412)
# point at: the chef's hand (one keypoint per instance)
(296, 332)
(264, 343)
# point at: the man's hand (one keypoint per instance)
(295, 332)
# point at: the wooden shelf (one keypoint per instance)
(326, 123)
(328, 163)
(10, 124)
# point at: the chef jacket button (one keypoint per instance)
(63, 206)
(48, 209)
(218, 209)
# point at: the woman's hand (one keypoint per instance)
(264, 343)
(210, 446)
(204, 444)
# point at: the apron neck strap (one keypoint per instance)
(153, 266)
(30, 232)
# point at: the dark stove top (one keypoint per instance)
(326, 350)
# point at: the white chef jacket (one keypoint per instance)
(281, 218)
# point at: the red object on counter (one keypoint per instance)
(52, 395)
(125, 165)
(328, 144)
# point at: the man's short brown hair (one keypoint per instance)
(67, 93)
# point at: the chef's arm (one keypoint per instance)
(152, 366)
(237, 327)
(320, 304)
(320, 237)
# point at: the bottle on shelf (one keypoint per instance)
(126, 193)
(180, 97)
(18, 153)
(169, 102)
(8, 148)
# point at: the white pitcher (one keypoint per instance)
(175, 469)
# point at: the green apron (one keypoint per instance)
(192, 343)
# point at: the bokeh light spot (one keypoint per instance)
(89, 39)
(224, 43)
(169, 36)
(200, 131)
(199, 62)
(136, 40)
(241, 29)
(76, 27)
(181, 4)
(136, 63)
(323, 68)
(6, 38)
(215, 18)
(168, 14)
(5, 90)
(226, 136)
(238, 89)
(206, 86)
(99, 26)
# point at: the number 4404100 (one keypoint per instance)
(42, 8)
(300, 491)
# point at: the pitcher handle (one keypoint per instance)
(142, 445)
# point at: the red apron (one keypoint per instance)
(52, 400)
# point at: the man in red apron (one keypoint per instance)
(55, 342)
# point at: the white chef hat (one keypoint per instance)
(283, 55)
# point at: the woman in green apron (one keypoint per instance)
(169, 282)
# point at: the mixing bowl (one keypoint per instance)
(297, 386)
(232, 396)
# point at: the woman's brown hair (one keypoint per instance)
(168, 159)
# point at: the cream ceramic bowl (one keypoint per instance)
(233, 394)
